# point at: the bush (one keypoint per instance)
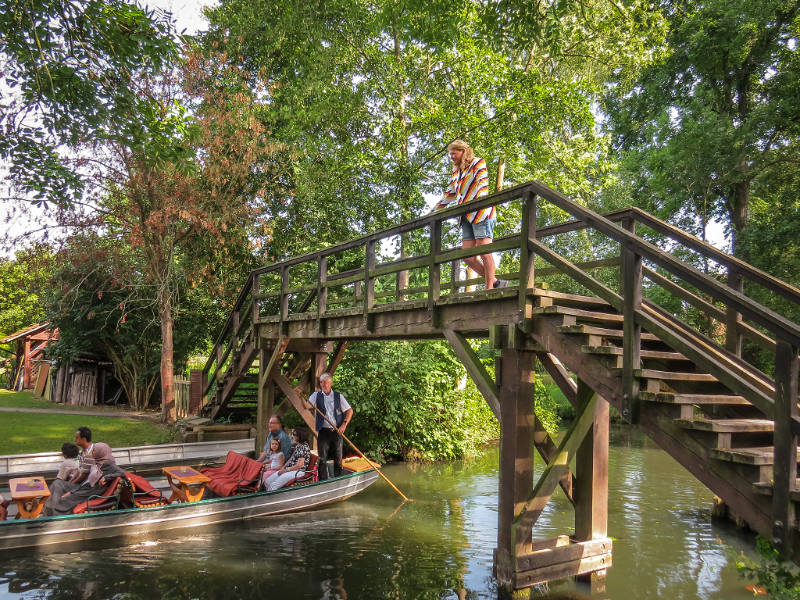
(413, 400)
(776, 574)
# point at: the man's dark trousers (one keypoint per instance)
(329, 445)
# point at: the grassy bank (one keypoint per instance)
(22, 433)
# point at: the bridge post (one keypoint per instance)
(784, 470)
(591, 489)
(515, 379)
(526, 261)
(733, 340)
(266, 399)
(631, 285)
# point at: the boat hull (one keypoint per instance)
(129, 525)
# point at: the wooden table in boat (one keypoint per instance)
(187, 484)
(25, 490)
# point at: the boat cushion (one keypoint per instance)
(110, 493)
(225, 479)
(144, 490)
(311, 474)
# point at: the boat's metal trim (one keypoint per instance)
(128, 524)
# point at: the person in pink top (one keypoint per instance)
(275, 460)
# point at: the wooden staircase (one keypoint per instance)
(716, 434)
(728, 423)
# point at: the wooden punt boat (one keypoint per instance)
(69, 532)
(145, 460)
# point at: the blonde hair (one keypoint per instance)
(468, 155)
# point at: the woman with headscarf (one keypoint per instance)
(65, 495)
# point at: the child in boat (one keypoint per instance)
(71, 464)
(276, 458)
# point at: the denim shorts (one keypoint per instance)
(476, 231)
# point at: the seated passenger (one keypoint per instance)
(71, 464)
(275, 462)
(295, 465)
(97, 469)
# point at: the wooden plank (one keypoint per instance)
(266, 401)
(306, 346)
(573, 568)
(784, 469)
(762, 456)
(336, 357)
(369, 287)
(631, 285)
(476, 370)
(527, 277)
(547, 449)
(434, 271)
(699, 399)
(516, 454)
(296, 401)
(601, 331)
(561, 553)
(560, 376)
(591, 467)
(585, 315)
(529, 513)
(728, 425)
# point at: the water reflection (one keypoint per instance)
(438, 546)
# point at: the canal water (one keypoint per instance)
(438, 546)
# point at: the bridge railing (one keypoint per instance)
(629, 270)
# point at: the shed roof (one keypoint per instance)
(40, 331)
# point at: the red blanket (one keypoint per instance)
(109, 490)
(142, 486)
(225, 479)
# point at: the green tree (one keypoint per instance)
(71, 70)
(22, 281)
(708, 121)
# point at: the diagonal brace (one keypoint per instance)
(558, 465)
(476, 370)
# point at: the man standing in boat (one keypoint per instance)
(330, 442)
(276, 431)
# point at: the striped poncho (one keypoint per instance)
(468, 185)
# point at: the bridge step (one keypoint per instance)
(765, 488)
(578, 314)
(601, 331)
(671, 376)
(699, 399)
(572, 300)
(761, 456)
(617, 351)
(729, 425)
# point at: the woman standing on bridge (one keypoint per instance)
(470, 180)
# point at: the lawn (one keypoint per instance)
(26, 400)
(23, 433)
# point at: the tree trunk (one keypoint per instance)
(741, 205)
(501, 174)
(168, 414)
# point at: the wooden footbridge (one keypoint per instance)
(728, 423)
